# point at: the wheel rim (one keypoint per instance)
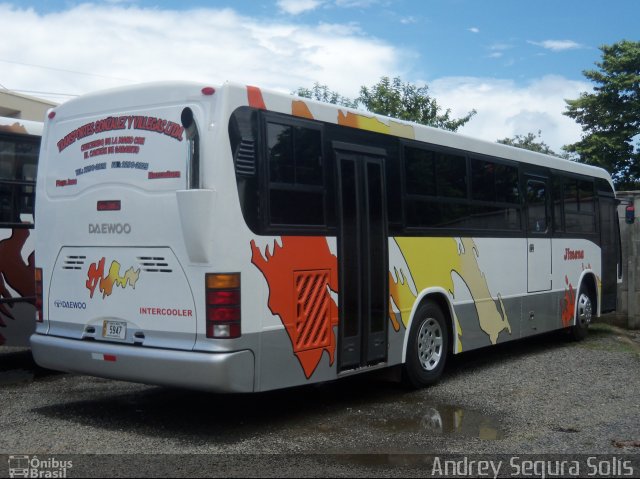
(430, 344)
(585, 310)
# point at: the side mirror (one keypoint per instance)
(630, 214)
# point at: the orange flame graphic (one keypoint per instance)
(307, 310)
(568, 304)
(95, 277)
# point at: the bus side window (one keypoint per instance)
(18, 170)
(537, 206)
(296, 179)
(7, 173)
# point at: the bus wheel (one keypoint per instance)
(428, 346)
(584, 314)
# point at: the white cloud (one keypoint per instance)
(120, 44)
(209, 45)
(557, 45)
(356, 3)
(506, 109)
(474, 30)
(408, 20)
(295, 7)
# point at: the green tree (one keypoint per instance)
(408, 102)
(610, 115)
(323, 93)
(529, 142)
(393, 98)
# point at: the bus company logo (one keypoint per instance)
(109, 228)
(105, 283)
(59, 303)
(573, 254)
(26, 466)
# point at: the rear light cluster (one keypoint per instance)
(39, 315)
(223, 305)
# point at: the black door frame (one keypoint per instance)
(362, 255)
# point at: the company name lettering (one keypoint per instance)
(58, 303)
(128, 122)
(573, 254)
(110, 228)
(154, 175)
(181, 313)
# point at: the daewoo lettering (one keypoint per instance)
(110, 228)
(70, 304)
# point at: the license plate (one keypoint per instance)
(114, 329)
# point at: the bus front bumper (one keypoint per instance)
(216, 372)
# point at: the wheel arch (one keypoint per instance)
(589, 281)
(441, 298)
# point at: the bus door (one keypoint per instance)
(536, 190)
(362, 255)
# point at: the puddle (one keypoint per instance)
(441, 420)
(418, 417)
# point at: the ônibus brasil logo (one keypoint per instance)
(105, 283)
(27, 466)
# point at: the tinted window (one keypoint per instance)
(296, 192)
(586, 197)
(570, 195)
(579, 205)
(494, 182)
(18, 169)
(420, 172)
(280, 151)
(536, 204)
(556, 192)
(451, 174)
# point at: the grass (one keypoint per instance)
(607, 337)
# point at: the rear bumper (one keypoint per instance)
(216, 372)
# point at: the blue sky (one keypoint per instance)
(513, 61)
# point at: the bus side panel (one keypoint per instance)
(571, 259)
(483, 278)
(17, 287)
(299, 333)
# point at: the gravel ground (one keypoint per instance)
(538, 396)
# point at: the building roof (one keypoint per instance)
(24, 107)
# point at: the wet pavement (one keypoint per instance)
(540, 396)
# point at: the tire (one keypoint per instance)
(584, 315)
(428, 346)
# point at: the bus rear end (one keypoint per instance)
(120, 293)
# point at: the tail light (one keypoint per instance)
(39, 314)
(223, 305)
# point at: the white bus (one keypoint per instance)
(19, 148)
(234, 239)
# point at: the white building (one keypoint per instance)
(17, 105)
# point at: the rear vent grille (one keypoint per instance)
(154, 264)
(246, 158)
(73, 262)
